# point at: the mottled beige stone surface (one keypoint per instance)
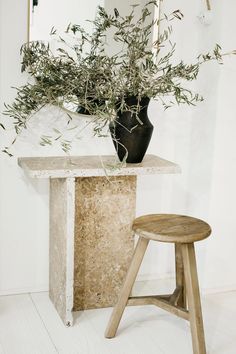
(105, 209)
(61, 247)
(87, 272)
(89, 166)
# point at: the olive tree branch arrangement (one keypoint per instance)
(81, 72)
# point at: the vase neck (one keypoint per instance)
(132, 116)
(134, 101)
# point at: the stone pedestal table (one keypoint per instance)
(92, 207)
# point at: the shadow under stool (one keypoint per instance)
(183, 231)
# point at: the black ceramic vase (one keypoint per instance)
(128, 134)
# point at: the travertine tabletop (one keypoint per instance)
(92, 166)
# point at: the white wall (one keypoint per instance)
(200, 139)
(221, 260)
(18, 269)
(59, 14)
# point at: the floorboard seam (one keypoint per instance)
(38, 312)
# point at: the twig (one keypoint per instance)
(208, 5)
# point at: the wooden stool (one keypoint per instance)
(183, 231)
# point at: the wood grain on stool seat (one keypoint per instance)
(171, 228)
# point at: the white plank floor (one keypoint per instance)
(30, 325)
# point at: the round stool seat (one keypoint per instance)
(171, 228)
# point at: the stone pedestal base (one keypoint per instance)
(91, 241)
(104, 243)
(61, 246)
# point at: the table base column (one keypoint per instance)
(61, 246)
(104, 242)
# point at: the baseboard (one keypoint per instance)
(155, 277)
(26, 290)
(167, 278)
(219, 289)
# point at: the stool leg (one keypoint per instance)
(193, 297)
(179, 270)
(126, 288)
